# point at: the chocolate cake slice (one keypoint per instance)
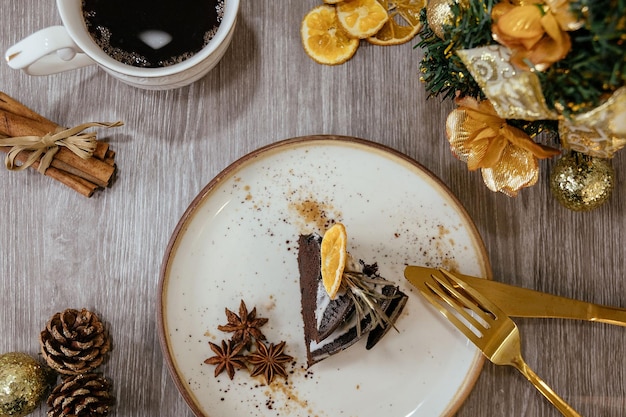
(396, 304)
(331, 326)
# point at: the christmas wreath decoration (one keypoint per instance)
(531, 80)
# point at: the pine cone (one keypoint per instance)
(81, 395)
(74, 342)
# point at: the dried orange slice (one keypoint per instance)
(323, 39)
(361, 18)
(403, 23)
(333, 256)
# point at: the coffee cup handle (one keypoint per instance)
(47, 51)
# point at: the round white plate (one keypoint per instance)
(238, 240)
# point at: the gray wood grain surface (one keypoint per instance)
(60, 250)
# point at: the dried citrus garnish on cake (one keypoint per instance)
(403, 23)
(333, 258)
(323, 39)
(361, 18)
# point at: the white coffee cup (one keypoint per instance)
(61, 48)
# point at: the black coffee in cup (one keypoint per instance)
(152, 33)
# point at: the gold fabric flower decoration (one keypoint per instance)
(506, 155)
(535, 32)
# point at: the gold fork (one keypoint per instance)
(487, 326)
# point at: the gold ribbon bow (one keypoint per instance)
(599, 132)
(514, 94)
(45, 147)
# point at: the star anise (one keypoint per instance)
(244, 326)
(269, 361)
(227, 358)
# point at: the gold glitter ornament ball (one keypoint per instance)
(581, 182)
(439, 13)
(23, 384)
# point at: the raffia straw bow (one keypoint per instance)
(45, 147)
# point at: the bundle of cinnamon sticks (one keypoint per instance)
(83, 175)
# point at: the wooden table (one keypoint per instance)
(61, 250)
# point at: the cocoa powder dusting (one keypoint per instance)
(319, 214)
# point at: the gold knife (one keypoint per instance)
(523, 302)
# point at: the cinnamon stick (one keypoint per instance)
(64, 166)
(11, 105)
(77, 184)
(14, 125)
(109, 157)
(91, 169)
(18, 120)
(101, 150)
